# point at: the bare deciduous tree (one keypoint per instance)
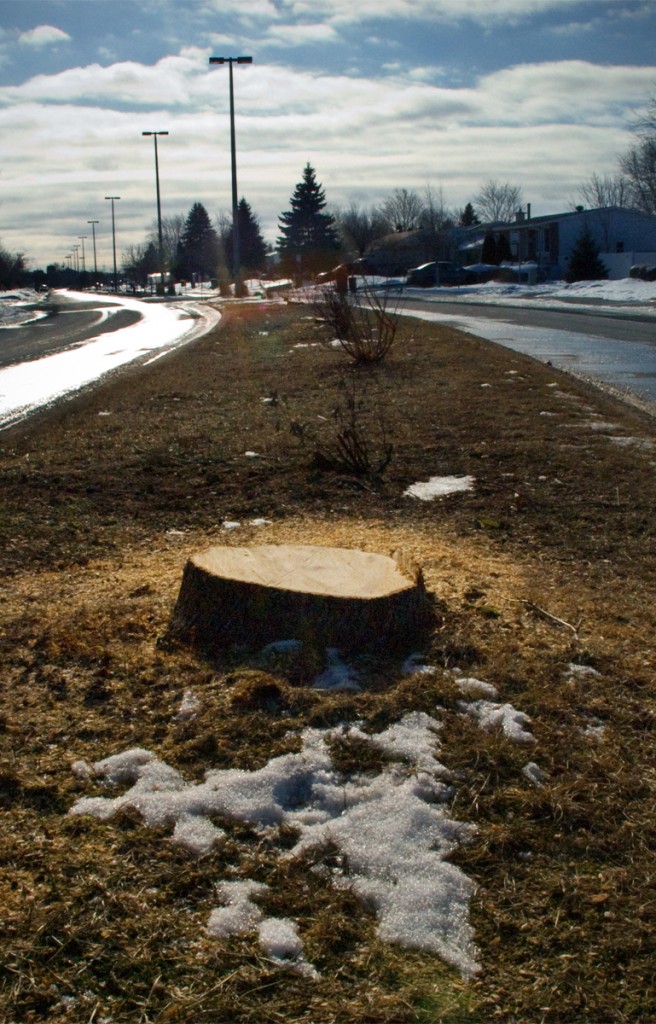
(639, 166)
(435, 215)
(172, 228)
(599, 192)
(498, 201)
(358, 226)
(403, 209)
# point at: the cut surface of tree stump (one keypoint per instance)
(322, 595)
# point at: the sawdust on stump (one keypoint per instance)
(324, 596)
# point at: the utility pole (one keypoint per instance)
(84, 262)
(114, 199)
(159, 207)
(236, 256)
(95, 261)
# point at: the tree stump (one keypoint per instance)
(322, 596)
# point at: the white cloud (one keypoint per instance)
(568, 91)
(253, 11)
(485, 12)
(43, 35)
(221, 39)
(300, 35)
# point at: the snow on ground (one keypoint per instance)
(393, 829)
(27, 386)
(14, 307)
(627, 291)
(438, 486)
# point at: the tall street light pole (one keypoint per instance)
(159, 206)
(114, 199)
(95, 261)
(84, 261)
(236, 257)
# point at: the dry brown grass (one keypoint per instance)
(106, 920)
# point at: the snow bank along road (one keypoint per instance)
(90, 338)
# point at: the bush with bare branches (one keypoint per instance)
(364, 322)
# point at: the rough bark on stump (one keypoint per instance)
(318, 595)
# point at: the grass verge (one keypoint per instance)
(549, 561)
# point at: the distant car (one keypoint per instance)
(428, 275)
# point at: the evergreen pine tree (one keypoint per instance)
(468, 217)
(198, 249)
(584, 263)
(252, 249)
(308, 240)
(489, 251)
(504, 253)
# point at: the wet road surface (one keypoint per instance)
(66, 324)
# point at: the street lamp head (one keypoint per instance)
(231, 60)
(154, 133)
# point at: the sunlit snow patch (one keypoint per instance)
(505, 717)
(473, 687)
(392, 830)
(438, 486)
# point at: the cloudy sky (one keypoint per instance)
(375, 94)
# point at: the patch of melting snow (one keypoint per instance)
(282, 647)
(337, 676)
(491, 716)
(594, 729)
(189, 707)
(601, 425)
(576, 670)
(637, 442)
(473, 687)
(392, 830)
(438, 486)
(230, 524)
(278, 936)
(414, 666)
(534, 774)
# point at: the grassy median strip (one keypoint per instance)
(543, 578)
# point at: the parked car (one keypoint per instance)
(440, 272)
(643, 273)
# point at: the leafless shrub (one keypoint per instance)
(354, 440)
(364, 322)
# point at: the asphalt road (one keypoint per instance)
(605, 322)
(66, 325)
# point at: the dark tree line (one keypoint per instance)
(12, 269)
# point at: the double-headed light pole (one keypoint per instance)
(236, 257)
(113, 199)
(159, 206)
